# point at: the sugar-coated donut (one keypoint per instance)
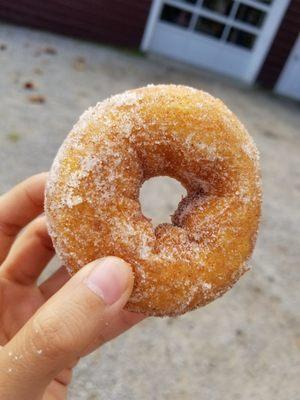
(92, 195)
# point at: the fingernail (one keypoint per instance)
(109, 279)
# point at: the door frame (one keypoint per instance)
(280, 87)
(265, 41)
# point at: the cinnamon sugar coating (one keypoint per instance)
(92, 195)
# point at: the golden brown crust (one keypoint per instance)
(92, 198)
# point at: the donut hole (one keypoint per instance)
(159, 198)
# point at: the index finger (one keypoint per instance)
(18, 207)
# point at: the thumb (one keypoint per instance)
(84, 314)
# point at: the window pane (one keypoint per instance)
(220, 6)
(209, 27)
(250, 15)
(264, 1)
(241, 38)
(188, 1)
(176, 16)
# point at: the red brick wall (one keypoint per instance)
(119, 22)
(282, 46)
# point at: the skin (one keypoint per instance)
(46, 328)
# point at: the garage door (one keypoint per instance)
(228, 36)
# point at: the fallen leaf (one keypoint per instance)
(50, 50)
(13, 137)
(79, 64)
(38, 71)
(37, 99)
(28, 85)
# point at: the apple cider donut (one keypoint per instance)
(92, 195)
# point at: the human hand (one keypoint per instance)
(46, 328)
